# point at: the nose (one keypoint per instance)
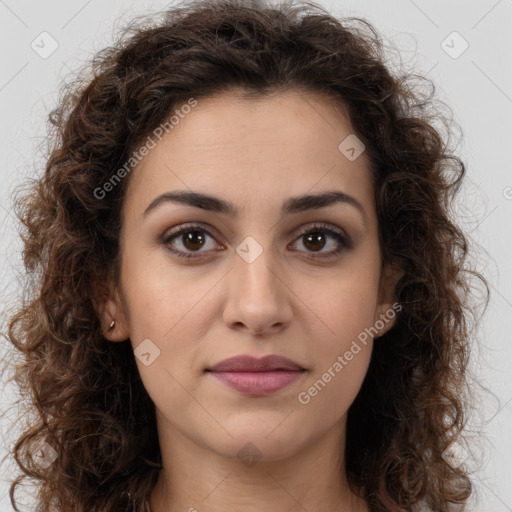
(258, 297)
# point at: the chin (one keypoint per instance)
(255, 444)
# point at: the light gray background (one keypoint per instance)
(477, 85)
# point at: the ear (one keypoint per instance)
(387, 306)
(109, 307)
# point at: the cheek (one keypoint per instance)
(164, 319)
(160, 296)
(334, 386)
(340, 307)
(342, 345)
(341, 356)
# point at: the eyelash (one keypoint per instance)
(343, 240)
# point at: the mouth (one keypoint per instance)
(257, 377)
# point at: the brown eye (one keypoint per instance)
(192, 239)
(317, 238)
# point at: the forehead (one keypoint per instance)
(249, 150)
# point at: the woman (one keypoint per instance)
(252, 293)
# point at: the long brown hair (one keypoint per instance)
(85, 395)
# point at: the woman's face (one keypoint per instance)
(273, 278)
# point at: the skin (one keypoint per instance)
(255, 154)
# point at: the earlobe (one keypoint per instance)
(387, 305)
(114, 319)
(111, 313)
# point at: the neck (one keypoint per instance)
(197, 479)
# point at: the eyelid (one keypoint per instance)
(326, 226)
(190, 226)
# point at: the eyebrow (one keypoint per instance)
(291, 205)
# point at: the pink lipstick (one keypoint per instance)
(253, 376)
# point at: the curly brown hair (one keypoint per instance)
(85, 396)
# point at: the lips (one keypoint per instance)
(253, 376)
(252, 364)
